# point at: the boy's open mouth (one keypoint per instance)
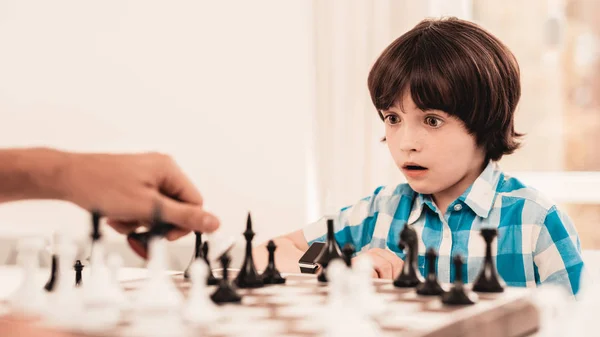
(414, 167)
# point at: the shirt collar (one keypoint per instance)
(480, 196)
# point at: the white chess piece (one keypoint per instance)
(365, 296)
(117, 295)
(218, 243)
(102, 310)
(65, 305)
(29, 298)
(343, 318)
(157, 306)
(200, 309)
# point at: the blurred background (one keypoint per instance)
(264, 103)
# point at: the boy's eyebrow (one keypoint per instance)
(401, 110)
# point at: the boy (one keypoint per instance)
(447, 91)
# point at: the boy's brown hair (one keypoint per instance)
(457, 67)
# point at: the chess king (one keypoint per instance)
(446, 92)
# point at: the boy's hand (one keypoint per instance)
(386, 264)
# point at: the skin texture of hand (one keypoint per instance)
(126, 187)
(386, 264)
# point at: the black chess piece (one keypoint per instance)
(226, 292)
(330, 251)
(211, 280)
(410, 276)
(271, 275)
(347, 251)
(96, 235)
(248, 277)
(53, 274)
(197, 254)
(458, 295)
(78, 268)
(488, 280)
(431, 286)
(139, 241)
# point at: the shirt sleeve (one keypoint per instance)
(557, 256)
(352, 224)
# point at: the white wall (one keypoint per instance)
(223, 86)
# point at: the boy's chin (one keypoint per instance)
(421, 188)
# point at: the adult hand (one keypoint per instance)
(126, 187)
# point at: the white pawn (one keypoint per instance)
(29, 298)
(159, 290)
(115, 292)
(343, 318)
(200, 309)
(157, 307)
(218, 243)
(365, 296)
(65, 305)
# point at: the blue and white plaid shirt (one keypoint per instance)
(536, 243)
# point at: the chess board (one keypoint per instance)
(294, 309)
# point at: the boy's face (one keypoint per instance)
(433, 150)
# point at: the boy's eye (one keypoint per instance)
(433, 121)
(392, 119)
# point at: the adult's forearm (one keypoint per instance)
(31, 173)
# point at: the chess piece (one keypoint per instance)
(271, 275)
(329, 252)
(53, 274)
(65, 303)
(199, 309)
(139, 241)
(28, 298)
(197, 253)
(410, 276)
(364, 292)
(488, 280)
(211, 280)
(248, 277)
(431, 286)
(78, 268)
(225, 292)
(458, 295)
(347, 251)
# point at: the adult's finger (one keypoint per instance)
(394, 260)
(188, 216)
(123, 227)
(175, 183)
(176, 233)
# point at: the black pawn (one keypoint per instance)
(458, 295)
(211, 280)
(271, 275)
(96, 235)
(410, 276)
(431, 286)
(53, 273)
(330, 251)
(197, 254)
(248, 277)
(225, 292)
(488, 280)
(348, 251)
(78, 268)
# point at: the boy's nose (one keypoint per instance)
(410, 140)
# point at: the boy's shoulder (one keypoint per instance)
(511, 189)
